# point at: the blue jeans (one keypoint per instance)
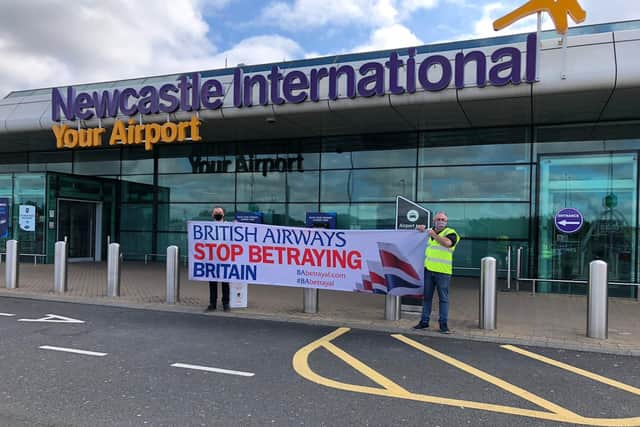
(440, 282)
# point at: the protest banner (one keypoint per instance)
(372, 261)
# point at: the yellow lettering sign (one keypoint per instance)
(130, 133)
(557, 9)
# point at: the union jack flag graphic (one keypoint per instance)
(400, 276)
(378, 281)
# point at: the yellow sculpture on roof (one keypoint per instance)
(557, 9)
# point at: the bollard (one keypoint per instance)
(173, 275)
(12, 265)
(488, 296)
(509, 268)
(391, 307)
(598, 301)
(518, 267)
(60, 268)
(113, 270)
(310, 301)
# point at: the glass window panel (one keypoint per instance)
(486, 220)
(136, 161)
(469, 253)
(365, 216)
(306, 151)
(294, 214)
(13, 162)
(598, 132)
(494, 145)
(363, 151)
(185, 158)
(134, 245)
(302, 187)
(167, 239)
(29, 189)
(6, 185)
(174, 217)
(136, 217)
(474, 183)
(255, 187)
(97, 162)
(137, 188)
(603, 188)
(204, 188)
(53, 162)
(367, 185)
(309, 149)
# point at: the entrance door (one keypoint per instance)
(77, 222)
(603, 188)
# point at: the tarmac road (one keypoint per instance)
(131, 367)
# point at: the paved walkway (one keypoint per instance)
(542, 319)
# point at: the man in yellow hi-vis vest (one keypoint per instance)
(438, 267)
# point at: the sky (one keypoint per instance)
(45, 43)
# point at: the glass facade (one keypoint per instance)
(499, 187)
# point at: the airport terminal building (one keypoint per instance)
(498, 135)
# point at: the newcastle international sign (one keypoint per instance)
(190, 92)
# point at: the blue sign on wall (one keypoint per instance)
(322, 220)
(568, 220)
(253, 217)
(4, 218)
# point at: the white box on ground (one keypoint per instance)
(237, 295)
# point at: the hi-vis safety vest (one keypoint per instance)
(439, 258)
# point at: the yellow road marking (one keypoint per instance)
(365, 370)
(577, 371)
(390, 389)
(513, 389)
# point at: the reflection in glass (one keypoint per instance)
(369, 151)
(97, 162)
(136, 217)
(51, 161)
(364, 185)
(486, 220)
(474, 183)
(174, 217)
(255, 187)
(203, 188)
(365, 216)
(462, 147)
(134, 245)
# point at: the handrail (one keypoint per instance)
(147, 256)
(35, 256)
(572, 281)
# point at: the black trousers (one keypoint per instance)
(213, 293)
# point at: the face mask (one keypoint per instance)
(440, 224)
(218, 217)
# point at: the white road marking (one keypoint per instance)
(53, 318)
(72, 350)
(7, 314)
(209, 369)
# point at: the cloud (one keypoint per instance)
(312, 14)
(116, 40)
(391, 37)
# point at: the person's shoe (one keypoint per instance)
(422, 325)
(444, 329)
(225, 307)
(210, 308)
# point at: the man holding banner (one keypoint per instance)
(218, 216)
(438, 268)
